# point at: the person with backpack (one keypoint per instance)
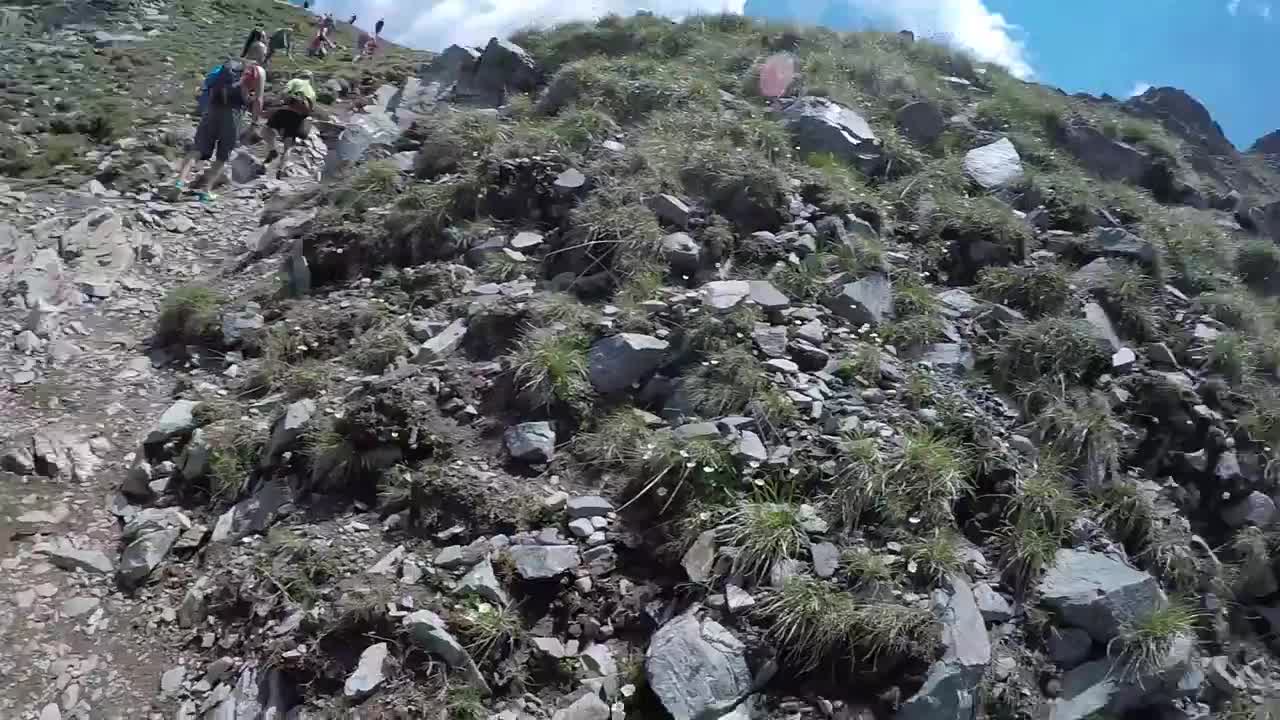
(353, 20)
(291, 121)
(255, 35)
(235, 86)
(377, 28)
(280, 40)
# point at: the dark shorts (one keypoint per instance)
(218, 133)
(288, 123)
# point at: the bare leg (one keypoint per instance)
(284, 157)
(269, 137)
(215, 173)
(184, 170)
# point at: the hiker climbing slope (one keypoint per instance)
(290, 122)
(281, 39)
(236, 87)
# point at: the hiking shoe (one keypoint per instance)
(271, 156)
(206, 196)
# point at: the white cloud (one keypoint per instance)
(436, 24)
(1233, 7)
(967, 24)
(1139, 88)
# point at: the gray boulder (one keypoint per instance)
(724, 294)
(1100, 324)
(587, 506)
(682, 253)
(764, 294)
(587, 707)
(1068, 647)
(697, 668)
(142, 556)
(542, 562)
(1111, 687)
(363, 131)
(700, 559)
(866, 301)
(481, 581)
(1104, 157)
(670, 209)
(1097, 593)
(255, 514)
(370, 672)
(993, 606)
(618, 361)
(103, 39)
(950, 688)
(430, 632)
(533, 442)
(822, 126)
(443, 343)
(288, 428)
(995, 166)
(177, 420)
(68, 557)
(244, 167)
(506, 66)
(1120, 243)
(921, 121)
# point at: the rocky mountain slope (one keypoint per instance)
(644, 369)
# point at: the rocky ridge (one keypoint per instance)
(590, 384)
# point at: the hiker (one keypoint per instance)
(377, 28)
(328, 23)
(319, 44)
(236, 86)
(256, 35)
(280, 40)
(365, 47)
(290, 122)
(353, 20)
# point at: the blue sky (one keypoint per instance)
(1226, 53)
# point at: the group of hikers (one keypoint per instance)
(239, 86)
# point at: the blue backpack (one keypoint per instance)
(224, 85)
(203, 101)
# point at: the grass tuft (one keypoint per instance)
(1037, 290)
(918, 484)
(762, 534)
(725, 383)
(549, 366)
(814, 621)
(1145, 642)
(489, 632)
(1051, 347)
(936, 555)
(191, 314)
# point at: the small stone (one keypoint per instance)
(369, 674)
(533, 442)
(1123, 360)
(737, 599)
(826, 559)
(171, 680)
(588, 506)
(993, 606)
(75, 607)
(581, 527)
